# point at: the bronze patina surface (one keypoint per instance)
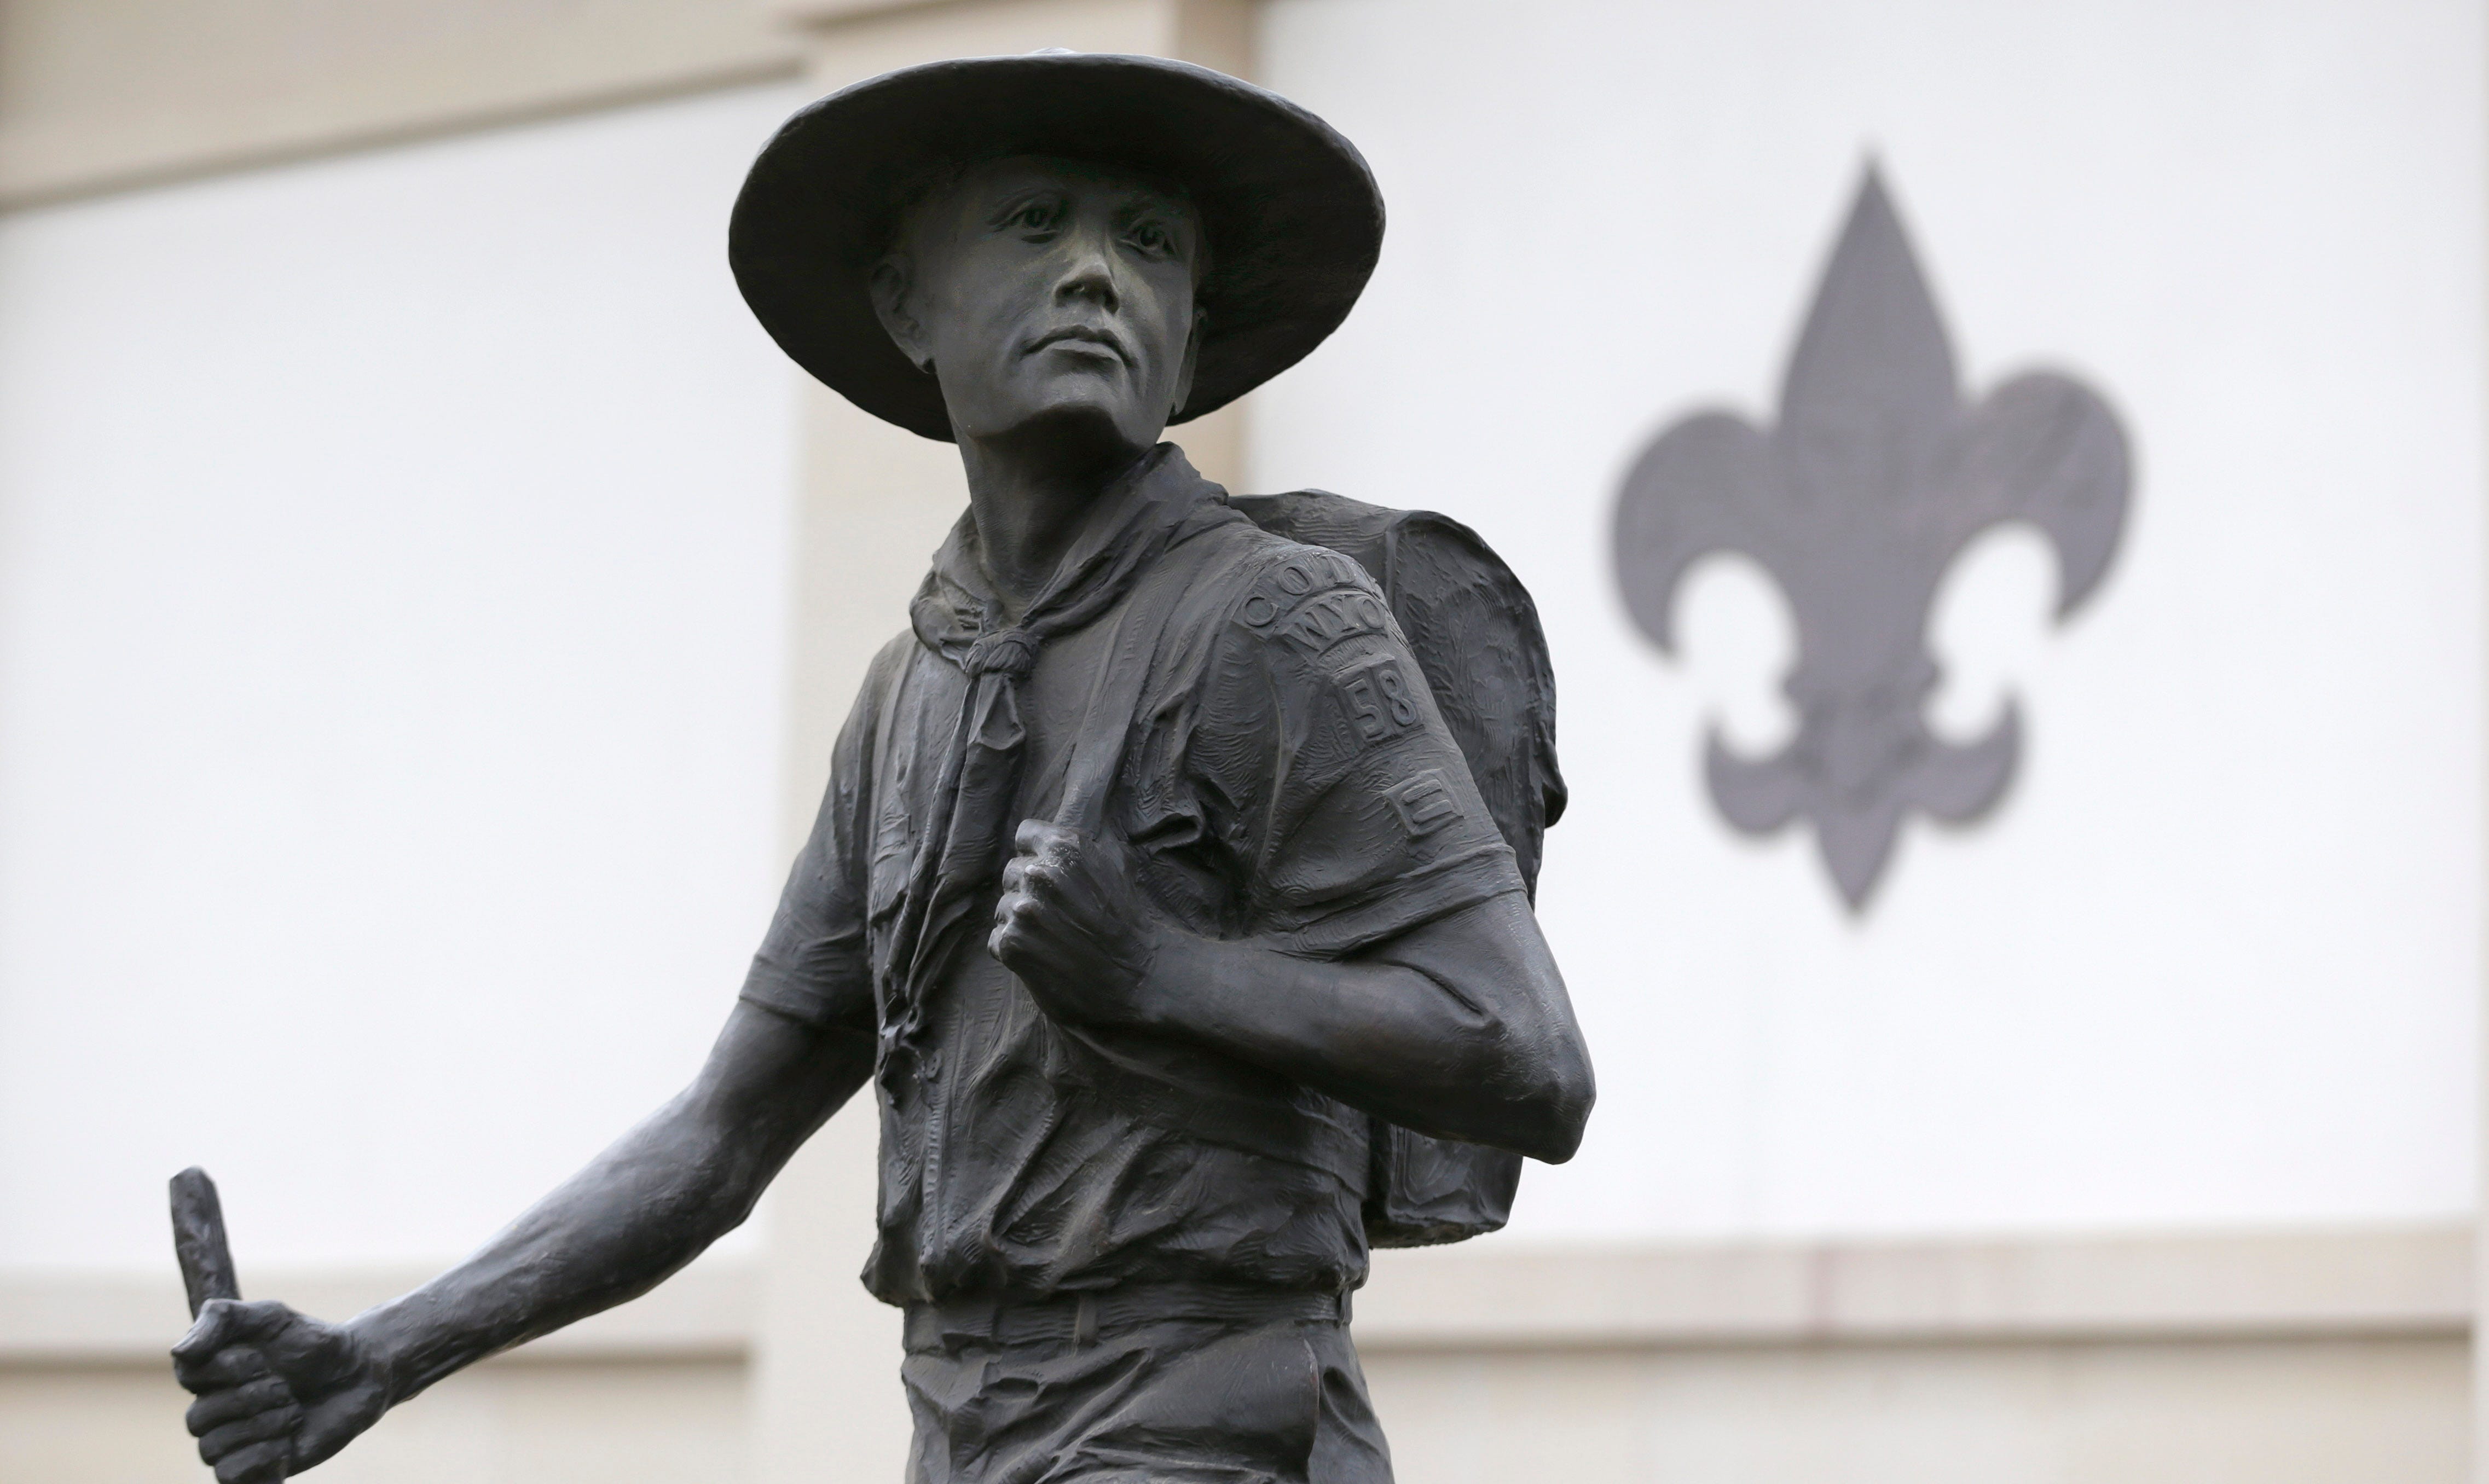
(1171, 889)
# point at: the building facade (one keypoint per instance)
(426, 600)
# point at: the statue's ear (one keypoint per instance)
(893, 304)
(1191, 359)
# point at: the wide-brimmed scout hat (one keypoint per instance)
(1291, 211)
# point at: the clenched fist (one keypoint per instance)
(1074, 926)
(278, 1390)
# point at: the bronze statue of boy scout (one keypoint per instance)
(1153, 893)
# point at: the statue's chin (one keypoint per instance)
(1077, 423)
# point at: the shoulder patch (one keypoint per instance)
(1377, 699)
(1425, 803)
(1312, 599)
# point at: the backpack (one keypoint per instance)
(1475, 637)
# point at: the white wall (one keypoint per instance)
(391, 602)
(391, 652)
(2215, 958)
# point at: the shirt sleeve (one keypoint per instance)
(1349, 807)
(815, 964)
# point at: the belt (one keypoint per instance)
(1080, 1318)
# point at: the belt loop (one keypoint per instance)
(1084, 1322)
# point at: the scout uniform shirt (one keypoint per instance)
(1284, 775)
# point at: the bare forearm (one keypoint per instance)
(1379, 1036)
(641, 1210)
(1467, 1036)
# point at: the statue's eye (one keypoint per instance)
(1036, 216)
(1150, 236)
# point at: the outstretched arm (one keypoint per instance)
(1458, 1027)
(280, 1391)
(638, 1211)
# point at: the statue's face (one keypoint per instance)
(1053, 299)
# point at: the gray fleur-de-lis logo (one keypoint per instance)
(1856, 503)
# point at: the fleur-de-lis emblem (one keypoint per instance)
(1875, 477)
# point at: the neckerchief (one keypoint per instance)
(1159, 504)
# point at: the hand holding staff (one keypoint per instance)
(278, 1390)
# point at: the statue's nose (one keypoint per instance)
(1089, 275)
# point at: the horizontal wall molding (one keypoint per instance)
(1496, 1295)
(2401, 1281)
(830, 12)
(103, 97)
(707, 1311)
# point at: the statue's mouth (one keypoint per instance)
(1093, 336)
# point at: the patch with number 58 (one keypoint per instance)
(1380, 704)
